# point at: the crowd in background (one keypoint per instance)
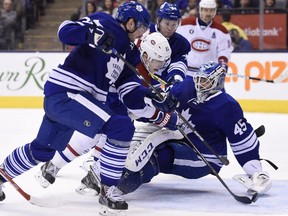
(18, 16)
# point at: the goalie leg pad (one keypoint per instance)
(136, 161)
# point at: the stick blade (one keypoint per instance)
(47, 202)
(282, 77)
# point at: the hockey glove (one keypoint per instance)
(168, 120)
(259, 182)
(167, 104)
(98, 37)
(174, 80)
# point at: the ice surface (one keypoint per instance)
(166, 195)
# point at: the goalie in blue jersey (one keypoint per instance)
(217, 117)
(76, 94)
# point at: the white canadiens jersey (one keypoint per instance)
(212, 43)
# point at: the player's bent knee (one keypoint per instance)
(40, 152)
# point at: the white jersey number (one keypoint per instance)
(240, 127)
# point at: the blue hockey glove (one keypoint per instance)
(167, 104)
(168, 120)
(98, 37)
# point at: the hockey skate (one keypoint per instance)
(111, 201)
(90, 184)
(47, 174)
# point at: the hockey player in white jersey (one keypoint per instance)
(215, 115)
(76, 95)
(209, 40)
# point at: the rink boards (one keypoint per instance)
(22, 77)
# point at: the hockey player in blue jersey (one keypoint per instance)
(76, 92)
(173, 72)
(215, 115)
(168, 20)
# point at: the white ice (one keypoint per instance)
(166, 195)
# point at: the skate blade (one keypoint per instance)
(84, 190)
(41, 180)
(105, 211)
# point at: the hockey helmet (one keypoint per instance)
(133, 10)
(207, 4)
(157, 48)
(169, 11)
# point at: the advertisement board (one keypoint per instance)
(274, 32)
(23, 75)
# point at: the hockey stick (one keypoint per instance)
(243, 199)
(260, 131)
(47, 202)
(224, 160)
(279, 79)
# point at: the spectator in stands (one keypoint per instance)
(226, 17)
(153, 7)
(7, 25)
(224, 4)
(246, 4)
(108, 7)
(90, 7)
(269, 6)
(191, 9)
(239, 43)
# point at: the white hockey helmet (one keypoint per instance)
(157, 48)
(208, 4)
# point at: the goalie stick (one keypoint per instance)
(46, 202)
(260, 131)
(242, 199)
(279, 79)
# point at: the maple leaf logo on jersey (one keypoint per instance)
(186, 115)
(139, 8)
(114, 68)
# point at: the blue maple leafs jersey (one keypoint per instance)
(87, 68)
(180, 48)
(219, 118)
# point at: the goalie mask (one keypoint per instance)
(208, 80)
(155, 52)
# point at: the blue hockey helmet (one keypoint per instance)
(133, 10)
(209, 79)
(169, 11)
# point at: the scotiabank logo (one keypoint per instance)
(268, 70)
(200, 45)
(273, 32)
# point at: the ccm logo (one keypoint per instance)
(200, 45)
(144, 154)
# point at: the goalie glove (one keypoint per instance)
(259, 182)
(96, 36)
